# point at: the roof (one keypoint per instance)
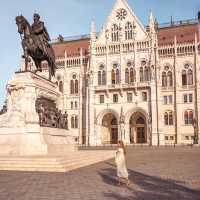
(183, 30)
(184, 33)
(72, 47)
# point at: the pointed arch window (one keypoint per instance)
(115, 74)
(167, 77)
(74, 85)
(164, 79)
(129, 31)
(145, 72)
(141, 74)
(188, 117)
(130, 73)
(102, 75)
(115, 33)
(187, 75)
(74, 121)
(168, 118)
(127, 75)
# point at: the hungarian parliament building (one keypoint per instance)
(131, 82)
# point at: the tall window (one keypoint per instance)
(168, 118)
(130, 74)
(115, 75)
(74, 121)
(101, 99)
(187, 98)
(115, 98)
(129, 31)
(74, 85)
(167, 77)
(145, 72)
(188, 117)
(167, 99)
(115, 33)
(187, 75)
(129, 97)
(102, 75)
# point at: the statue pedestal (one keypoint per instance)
(20, 132)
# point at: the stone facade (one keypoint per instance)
(131, 82)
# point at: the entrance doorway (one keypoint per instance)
(109, 129)
(138, 129)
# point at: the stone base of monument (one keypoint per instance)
(20, 132)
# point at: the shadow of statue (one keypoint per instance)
(148, 187)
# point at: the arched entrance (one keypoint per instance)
(138, 128)
(109, 129)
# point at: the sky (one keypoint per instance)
(73, 17)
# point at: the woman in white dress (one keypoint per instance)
(120, 160)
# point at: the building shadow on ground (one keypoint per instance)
(146, 187)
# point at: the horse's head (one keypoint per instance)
(22, 24)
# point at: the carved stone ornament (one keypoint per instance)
(121, 14)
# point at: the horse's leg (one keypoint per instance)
(25, 54)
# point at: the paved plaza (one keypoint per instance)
(155, 174)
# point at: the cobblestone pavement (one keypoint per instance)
(155, 174)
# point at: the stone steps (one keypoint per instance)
(54, 164)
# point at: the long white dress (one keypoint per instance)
(121, 164)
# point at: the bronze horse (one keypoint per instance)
(31, 48)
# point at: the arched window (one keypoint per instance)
(74, 85)
(190, 77)
(115, 33)
(130, 73)
(140, 120)
(127, 75)
(145, 72)
(168, 118)
(141, 74)
(167, 77)
(115, 74)
(187, 75)
(129, 31)
(76, 121)
(102, 75)
(72, 122)
(99, 77)
(164, 79)
(188, 117)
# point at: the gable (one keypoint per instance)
(120, 15)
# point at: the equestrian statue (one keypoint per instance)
(35, 43)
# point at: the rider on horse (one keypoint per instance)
(40, 31)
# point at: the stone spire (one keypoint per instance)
(93, 30)
(152, 23)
